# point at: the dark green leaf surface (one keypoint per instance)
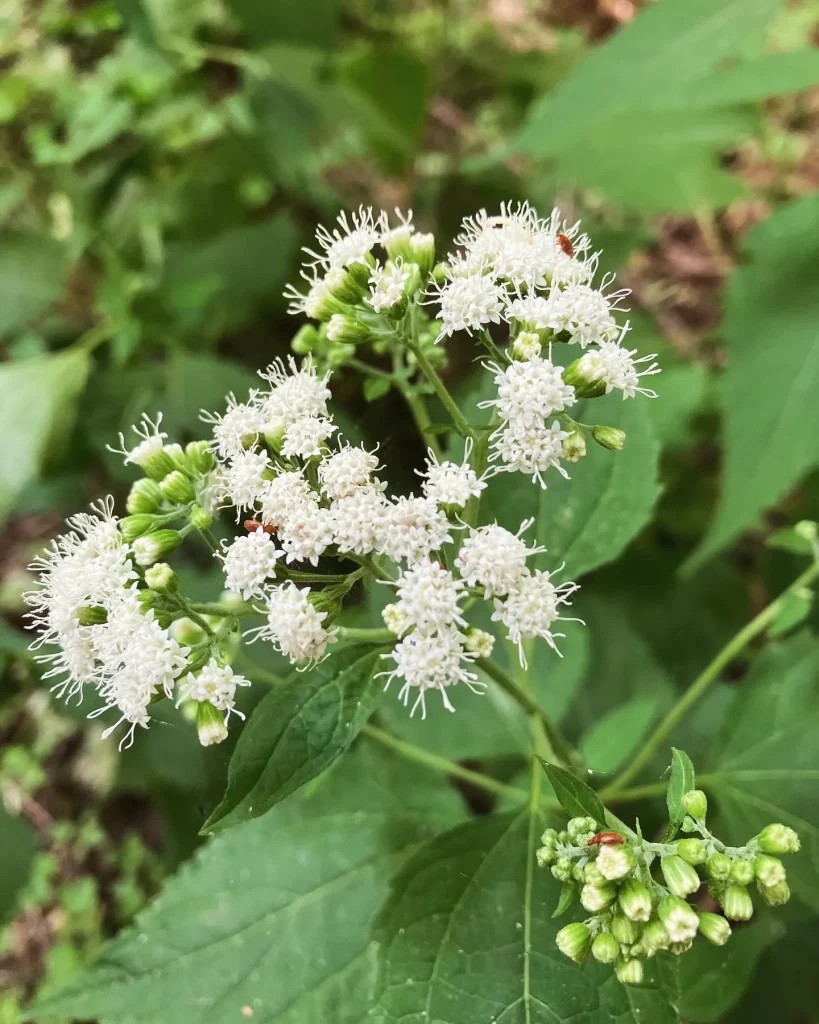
(576, 798)
(296, 732)
(681, 782)
(274, 916)
(467, 937)
(614, 737)
(32, 268)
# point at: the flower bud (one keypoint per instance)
(135, 526)
(635, 900)
(609, 437)
(549, 837)
(574, 941)
(439, 273)
(346, 287)
(200, 518)
(144, 496)
(615, 862)
(526, 346)
(186, 632)
(154, 459)
(92, 615)
(719, 867)
(199, 458)
(545, 856)
(742, 872)
(161, 577)
(680, 921)
(345, 328)
(176, 454)
(696, 803)
(774, 895)
(688, 824)
(736, 903)
(305, 340)
(578, 874)
(592, 875)
(177, 488)
(624, 929)
(679, 876)
(562, 869)
(338, 354)
(479, 642)
(596, 897)
(605, 948)
(678, 948)
(574, 447)
(361, 270)
(580, 826)
(693, 851)
(155, 546)
(715, 928)
(655, 936)
(629, 972)
(274, 430)
(778, 839)
(422, 252)
(210, 724)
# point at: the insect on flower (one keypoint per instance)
(565, 243)
(252, 525)
(605, 839)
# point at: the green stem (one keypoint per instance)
(560, 746)
(209, 539)
(441, 764)
(418, 408)
(370, 371)
(367, 636)
(702, 683)
(223, 610)
(449, 403)
(501, 359)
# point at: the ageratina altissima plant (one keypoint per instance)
(307, 518)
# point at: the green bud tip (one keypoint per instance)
(574, 447)
(715, 928)
(680, 877)
(693, 851)
(210, 724)
(681, 922)
(696, 803)
(624, 929)
(635, 900)
(688, 824)
(144, 496)
(199, 457)
(737, 904)
(629, 972)
(719, 867)
(592, 875)
(305, 340)
(655, 936)
(155, 546)
(742, 872)
(774, 895)
(581, 826)
(161, 577)
(605, 948)
(574, 941)
(778, 839)
(200, 518)
(596, 897)
(614, 862)
(609, 437)
(135, 526)
(347, 329)
(177, 488)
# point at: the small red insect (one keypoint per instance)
(565, 244)
(251, 525)
(605, 839)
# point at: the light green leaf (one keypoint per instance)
(772, 74)
(37, 407)
(795, 608)
(275, 915)
(32, 268)
(313, 24)
(296, 732)
(467, 935)
(681, 782)
(770, 385)
(764, 769)
(614, 737)
(576, 798)
(17, 852)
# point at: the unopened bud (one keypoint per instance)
(679, 876)
(635, 900)
(591, 874)
(655, 937)
(305, 340)
(210, 724)
(694, 851)
(199, 458)
(161, 577)
(596, 897)
(736, 903)
(688, 824)
(715, 928)
(479, 642)
(562, 869)
(615, 861)
(719, 867)
(696, 803)
(154, 459)
(574, 941)
(579, 374)
(361, 270)
(274, 430)
(769, 870)
(680, 921)
(345, 328)
(742, 872)
(176, 453)
(344, 286)
(545, 855)
(579, 827)
(200, 518)
(135, 526)
(629, 972)
(92, 615)
(624, 929)
(338, 354)
(774, 895)
(144, 496)
(422, 252)
(439, 272)
(526, 346)
(609, 437)
(574, 447)
(155, 546)
(177, 488)
(778, 839)
(605, 948)
(186, 632)
(678, 948)
(396, 619)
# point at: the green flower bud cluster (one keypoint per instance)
(636, 891)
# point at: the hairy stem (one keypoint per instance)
(703, 682)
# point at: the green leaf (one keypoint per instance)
(17, 852)
(576, 798)
(764, 769)
(313, 24)
(802, 539)
(467, 935)
(614, 737)
(375, 388)
(588, 520)
(681, 782)
(772, 74)
(770, 385)
(275, 915)
(37, 408)
(795, 608)
(32, 268)
(567, 894)
(296, 732)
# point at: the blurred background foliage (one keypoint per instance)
(161, 163)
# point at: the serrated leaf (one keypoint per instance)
(275, 915)
(567, 895)
(576, 798)
(764, 769)
(682, 781)
(770, 385)
(296, 732)
(615, 736)
(467, 936)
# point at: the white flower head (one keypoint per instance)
(249, 562)
(412, 529)
(214, 684)
(529, 449)
(287, 496)
(396, 619)
(450, 484)
(294, 625)
(429, 597)
(351, 241)
(359, 520)
(618, 369)
(345, 471)
(151, 442)
(495, 559)
(614, 862)
(529, 392)
(532, 607)
(468, 303)
(238, 428)
(585, 313)
(296, 392)
(319, 301)
(387, 285)
(431, 662)
(305, 437)
(681, 921)
(246, 479)
(305, 537)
